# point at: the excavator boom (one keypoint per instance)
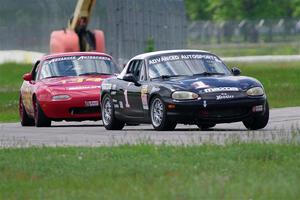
(83, 9)
(76, 37)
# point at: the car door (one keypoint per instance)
(29, 88)
(132, 92)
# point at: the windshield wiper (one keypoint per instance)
(55, 76)
(93, 73)
(209, 73)
(167, 76)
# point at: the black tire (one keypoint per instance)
(108, 115)
(205, 126)
(259, 121)
(132, 124)
(40, 119)
(158, 116)
(24, 118)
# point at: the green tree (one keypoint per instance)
(266, 9)
(150, 45)
(198, 9)
(296, 10)
(242, 9)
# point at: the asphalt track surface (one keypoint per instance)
(284, 126)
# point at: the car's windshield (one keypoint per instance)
(78, 66)
(187, 64)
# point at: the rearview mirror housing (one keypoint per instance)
(27, 77)
(131, 78)
(236, 71)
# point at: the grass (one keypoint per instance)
(281, 81)
(10, 82)
(244, 49)
(248, 171)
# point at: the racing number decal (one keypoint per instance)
(144, 92)
(126, 99)
(127, 105)
(81, 80)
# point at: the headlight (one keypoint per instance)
(256, 91)
(60, 97)
(184, 95)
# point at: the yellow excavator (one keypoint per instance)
(76, 37)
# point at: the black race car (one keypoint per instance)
(182, 86)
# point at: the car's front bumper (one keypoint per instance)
(77, 108)
(214, 111)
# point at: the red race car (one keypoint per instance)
(64, 86)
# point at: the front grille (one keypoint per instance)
(85, 110)
(224, 112)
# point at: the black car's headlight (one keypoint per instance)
(255, 91)
(184, 95)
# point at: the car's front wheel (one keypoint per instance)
(108, 115)
(24, 118)
(258, 121)
(40, 119)
(158, 114)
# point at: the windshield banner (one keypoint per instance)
(174, 57)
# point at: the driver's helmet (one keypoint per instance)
(66, 68)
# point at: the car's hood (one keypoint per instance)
(201, 83)
(75, 83)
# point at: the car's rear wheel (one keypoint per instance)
(24, 118)
(159, 118)
(258, 121)
(108, 115)
(40, 119)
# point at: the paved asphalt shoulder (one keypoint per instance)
(283, 124)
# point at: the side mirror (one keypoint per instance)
(27, 77)
(236, 71)
(131, 78)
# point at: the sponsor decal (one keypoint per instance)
(199, 84)
(183, 57)
(258, 108)
(144, 95)
(144, 89)
(78, 58)
(204, 104)
(91, 103)
(61, 59)
(93, 58)
(121, 105)
(224, 96)
(164, 59)
(84, 87)
(106, 86)
(113, 92)
(27, 97)
(81, 80)
(221, 89)
(154, 89)
(93, 79)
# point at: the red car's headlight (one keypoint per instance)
(60, 97)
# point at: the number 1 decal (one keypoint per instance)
(126, 96)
